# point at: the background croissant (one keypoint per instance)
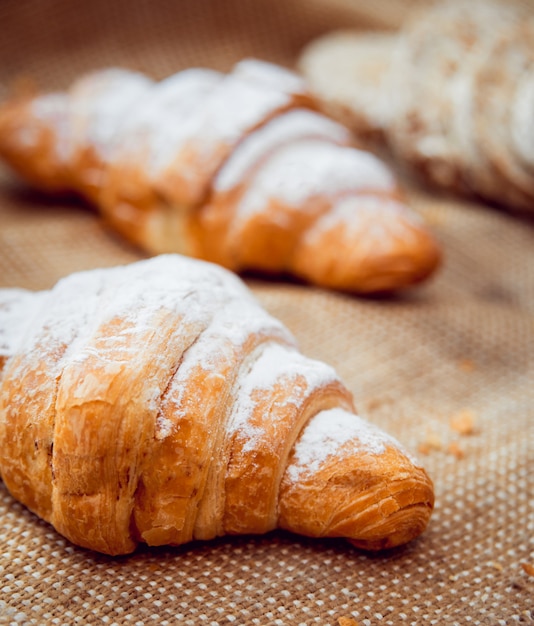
(158, 402)
(239, 169)
(451, 94)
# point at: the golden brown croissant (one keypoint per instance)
(158, 402)
(238, 169)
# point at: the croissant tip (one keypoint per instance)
(398, 529)
(401, 516)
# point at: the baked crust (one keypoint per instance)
(236, 169)
(159, 403)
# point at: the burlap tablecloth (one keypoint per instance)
(460, 347)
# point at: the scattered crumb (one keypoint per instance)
(455, 449)
(436, 220)
(528, 568)
(466, 365)
(433, 213)
(432, 442)
(496, 566)
(463, 422)
(376, 403)
(371, 405)
(347, 621)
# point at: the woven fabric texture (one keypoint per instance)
(448, 368)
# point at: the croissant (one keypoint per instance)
(237, 169)
(157, 402)
(450, 95)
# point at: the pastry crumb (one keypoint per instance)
(496, 566)
(528, 568)
(432, 442)
(373, 403)
(455, 449)
(376, 403)
(463, 422)
(466, 365)
(347, 621)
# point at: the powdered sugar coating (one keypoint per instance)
(522, 117)
(352, 211)
(164, 117)
(18, 307)
(335, 433)
(98, 103)
(275, 364)
(186, 126)
(313, 168)
(90, 113)
(206, 313)
(272, 76)
(65, 317)
(218, 122)
(53, 111)
(283, 129)
(223, 340)
(81, 302)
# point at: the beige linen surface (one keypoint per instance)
(460, 347)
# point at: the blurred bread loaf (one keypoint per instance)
(450, 94)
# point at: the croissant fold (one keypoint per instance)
(158, 402)
(239, 169)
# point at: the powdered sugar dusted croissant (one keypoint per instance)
(158, 402)
(238, 169)
(449, 94)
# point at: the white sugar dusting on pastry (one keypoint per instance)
(18, 308)
(198, 143)
(88, 300)
(276, 364)
(329, 434)
(523, 118)
(198, 107)
(99, 102)
(355, 213)
(158, 124)
(310, 168)
(223, 340)
(283, 129)
(52, 110)
(271, 75)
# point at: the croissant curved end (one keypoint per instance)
(404, 515)
(395, 249)
(348, 479)
(28, 141)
